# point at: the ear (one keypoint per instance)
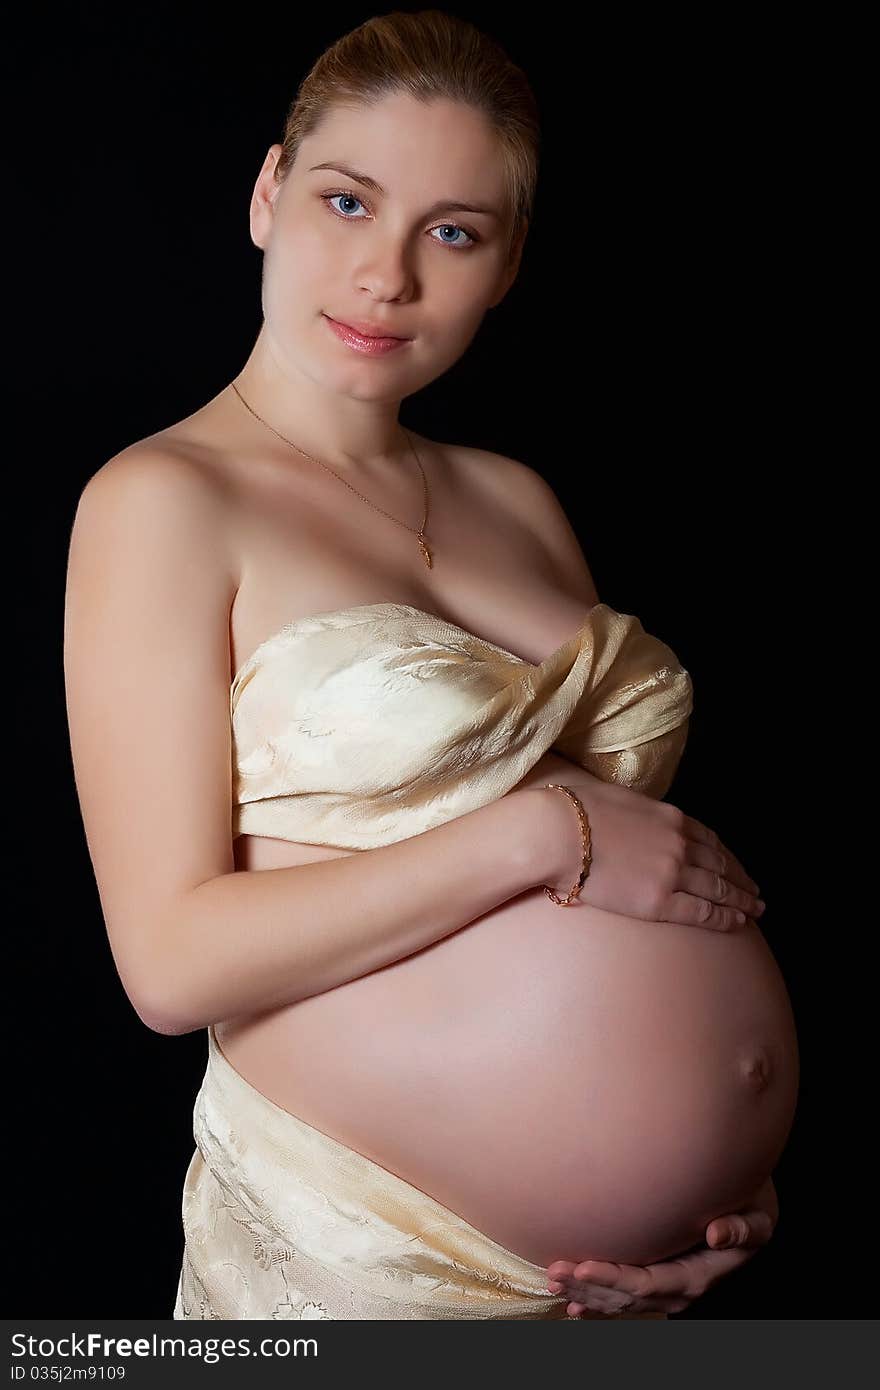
(263, 199)
(511, 266)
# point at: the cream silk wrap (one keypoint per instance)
(355, 729)
(365, 726)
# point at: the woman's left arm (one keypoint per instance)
(671, 1285)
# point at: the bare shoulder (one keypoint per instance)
(510, 479)
(533, 502)
(165, 484)
(161, 465)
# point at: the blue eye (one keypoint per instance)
(450, 227)
(348, 196)
(327, 200)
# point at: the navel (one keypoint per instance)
(756, 1068)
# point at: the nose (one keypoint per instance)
(387, 275)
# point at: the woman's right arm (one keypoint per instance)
(152, 574)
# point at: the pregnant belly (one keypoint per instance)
(574, 1083)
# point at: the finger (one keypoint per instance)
(606, 1300)
(693, 911)
(611, 1303)
(688, 1275)
(597, 1297)
(634, 1280)
(742, 1229)
(706, 883)
(577, 1310)
(732, 868)
(720, 861)
(617, 1289)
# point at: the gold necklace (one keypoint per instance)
(420, 533)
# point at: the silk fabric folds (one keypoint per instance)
(361, 727)
(355, 729)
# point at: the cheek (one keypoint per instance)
(469, 290)
(300, 264)
(465, 308)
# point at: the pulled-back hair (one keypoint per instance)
(429, 55)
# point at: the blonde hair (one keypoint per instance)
(429, 55)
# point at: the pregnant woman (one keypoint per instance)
(322, 676)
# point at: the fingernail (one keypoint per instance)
(554, 1287)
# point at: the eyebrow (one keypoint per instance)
(442, 205)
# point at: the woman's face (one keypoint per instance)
(404, 259)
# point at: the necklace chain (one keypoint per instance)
(420, 533)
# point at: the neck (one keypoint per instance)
(351, 435)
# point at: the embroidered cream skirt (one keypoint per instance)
(282, 1221)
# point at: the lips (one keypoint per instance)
(369, 330)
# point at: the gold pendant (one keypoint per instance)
(426, 553)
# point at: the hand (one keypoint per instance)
(671, 1285)
(650, 860)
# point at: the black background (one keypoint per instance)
(654, 361)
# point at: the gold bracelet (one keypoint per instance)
(585, 836)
